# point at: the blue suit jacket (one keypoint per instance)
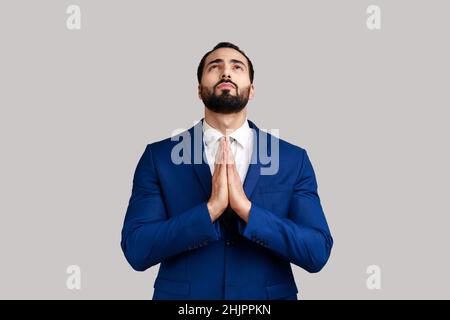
(167, 222)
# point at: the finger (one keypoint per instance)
(216, 169)
(225, 152)
(223, 156)
(218, 159)
(218, 153)
(233, 174)
(230, 166)
(216, 166)
(230, 157)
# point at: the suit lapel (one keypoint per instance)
(201, 167)
(254, 169)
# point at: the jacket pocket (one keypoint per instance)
(276, 198)
(275, 188)
(174, 287)
(281, 290)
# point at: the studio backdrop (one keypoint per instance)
(363, 86)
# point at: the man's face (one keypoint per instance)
(225, 86)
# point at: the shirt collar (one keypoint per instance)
(241, 134)
(210, 134)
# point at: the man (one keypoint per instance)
(224, 227)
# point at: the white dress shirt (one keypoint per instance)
(241, 146)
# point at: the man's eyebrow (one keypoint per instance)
(215, 61)
(237, 61)
(231, 60)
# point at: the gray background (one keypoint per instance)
(79, 107)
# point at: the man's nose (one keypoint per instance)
(226, 74)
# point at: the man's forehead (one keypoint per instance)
(226, 54)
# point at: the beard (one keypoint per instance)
(225, 103)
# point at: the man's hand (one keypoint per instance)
(218, 201)
(237, 197)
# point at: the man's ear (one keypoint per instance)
(252, 92)
(199, 89)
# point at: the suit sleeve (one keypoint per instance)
(302, 238)
(149, 236)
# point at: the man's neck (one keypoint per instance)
(225, 123)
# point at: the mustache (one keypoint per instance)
(226, 81)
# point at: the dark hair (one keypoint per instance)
(224, 45)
